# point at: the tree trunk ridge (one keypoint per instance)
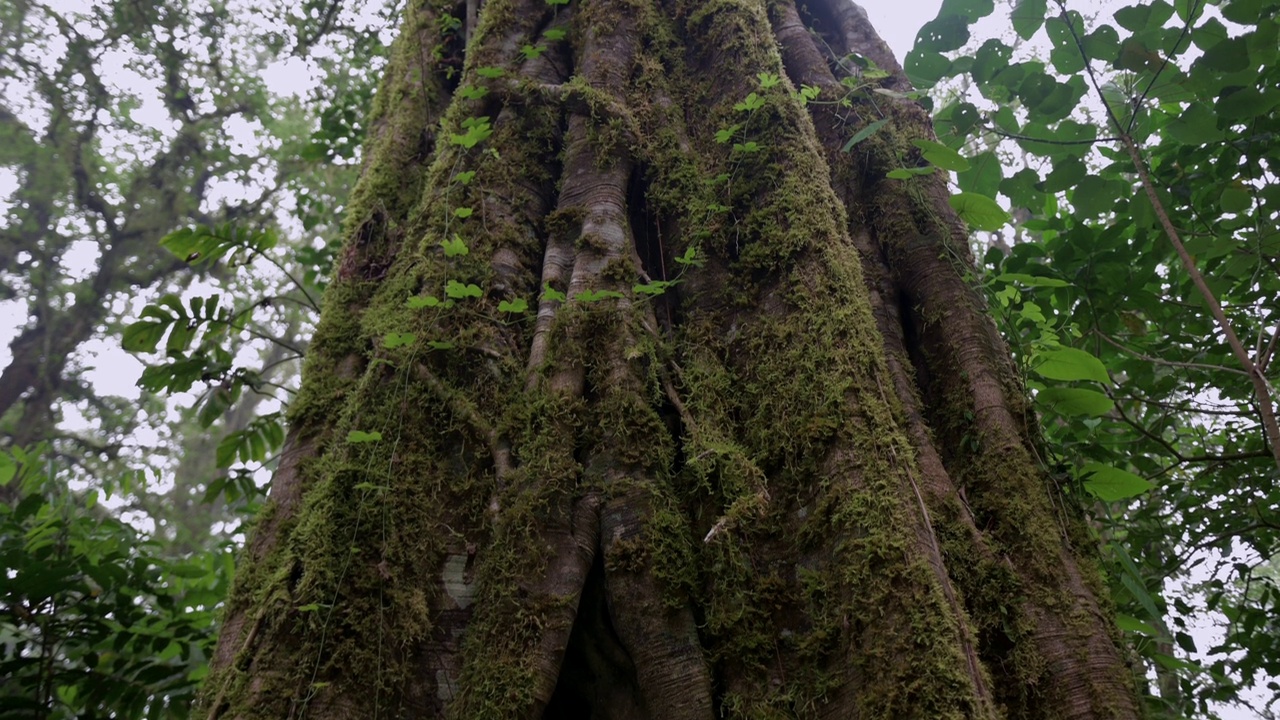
(753, 450)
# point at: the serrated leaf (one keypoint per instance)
(465, 177)
(518, 305)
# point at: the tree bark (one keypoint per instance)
(801, 480)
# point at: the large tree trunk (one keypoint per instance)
(801, 482)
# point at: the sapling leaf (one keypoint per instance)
(395, 340)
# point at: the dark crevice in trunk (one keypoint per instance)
(598, 678)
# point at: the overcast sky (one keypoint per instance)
(898, 21)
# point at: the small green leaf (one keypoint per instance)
(472, 92)
(690, 257)
(454, 246)
(1111, 484)
(1028, 16)
(463, 212)
(768, 80)
(458, 291)
(440, 345)
(1070, 364)
(724, 135)
(417, 302)
(555, 34)
(360, 436)
(942, 156)
(531, 52)
(908, 173)
(490, 72)
(518, 305)
(590, 296)
(750, 103)
(465, 177)
(979, 211)
(863, 134)
(395, 340)
(550, 293)
(751, 146)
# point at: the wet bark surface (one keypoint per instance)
(637, 396)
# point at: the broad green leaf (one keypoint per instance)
(1028, 17)
(518, 305)
(1031, 280)
(1235, 200)
(1196, 125)
(360, 436)
(1131, 624)
(969, 9)
(979, 211)
(943, 34)
(925, 67)
(1070, 364)
(941, 155)
(1075, 402)
(983, 176)
(1111, 484)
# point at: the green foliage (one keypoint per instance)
(95, 621)
(1138, 389)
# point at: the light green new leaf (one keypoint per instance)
(979, 211)
(1075, 402)
(395, 340)
(1111, 484)
(1070, 364)
(942, 156)
(360, 436)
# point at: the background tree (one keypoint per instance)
(651, 383)
(1137, 146)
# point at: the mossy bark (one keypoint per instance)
(610, 417)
